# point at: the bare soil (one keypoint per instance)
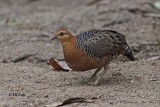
(25, 32)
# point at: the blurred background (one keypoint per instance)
(26, 27)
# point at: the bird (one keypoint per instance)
(93, 49)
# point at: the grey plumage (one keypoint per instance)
(99, 43)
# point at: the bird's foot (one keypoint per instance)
(92, 79)
(93, 83)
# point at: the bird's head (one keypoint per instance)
(62, 35)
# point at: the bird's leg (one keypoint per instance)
(100, 76)
(93, 77)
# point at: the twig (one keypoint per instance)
(20, 58)
(152, 15)
(115, 22)
(154, 58)
(93, 2)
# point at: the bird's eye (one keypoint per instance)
(61, 33)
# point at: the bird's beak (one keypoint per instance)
(54, 37)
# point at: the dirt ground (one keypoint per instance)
(25, 32)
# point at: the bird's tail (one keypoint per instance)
(128, 53)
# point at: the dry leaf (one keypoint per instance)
(59, 64)
(75, 100)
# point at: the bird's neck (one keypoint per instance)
(69, 42)
(69, 48)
